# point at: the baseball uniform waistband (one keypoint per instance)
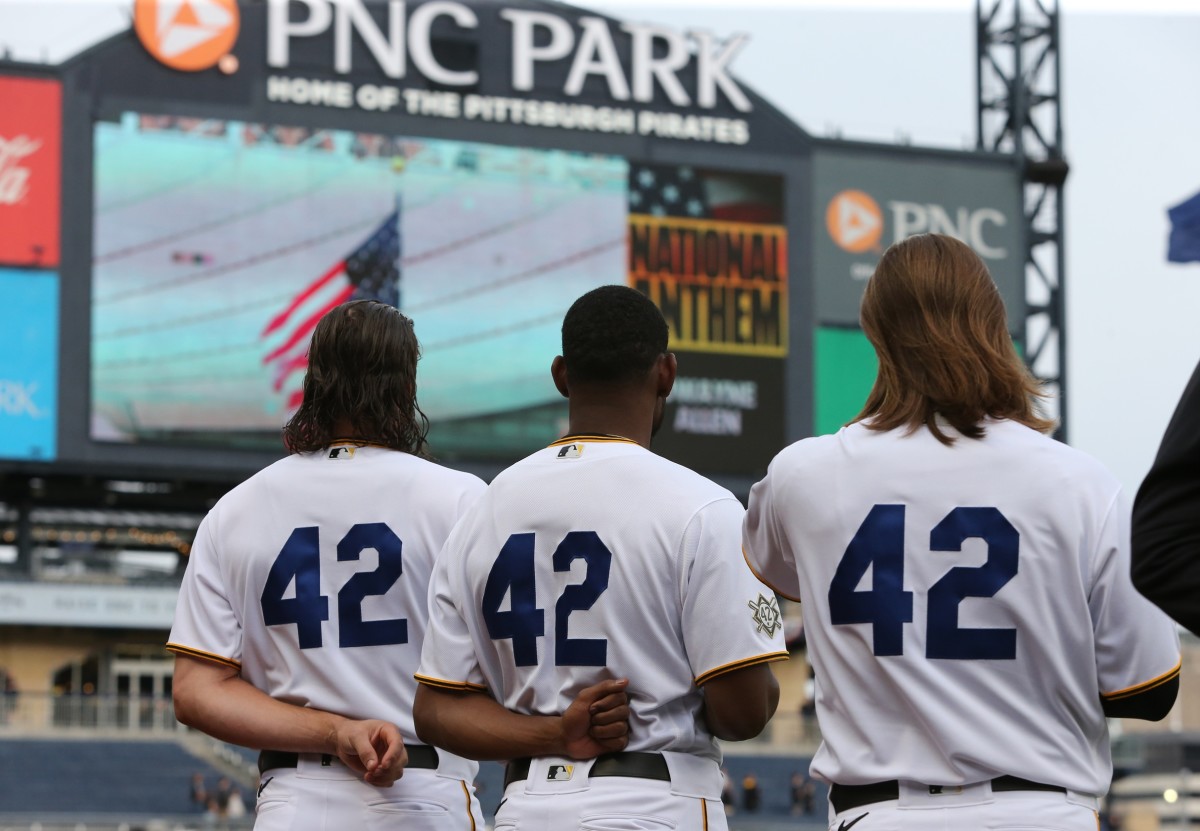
(632, 764)
(419, 756)
(849, 797)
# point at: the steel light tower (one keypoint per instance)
(1019, 111)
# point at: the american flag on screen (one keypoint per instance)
(685, 191)
(370, 272)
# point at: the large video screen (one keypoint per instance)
(219, 244)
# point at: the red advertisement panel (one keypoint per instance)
(30, 150)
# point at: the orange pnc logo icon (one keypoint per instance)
(855, 221)
(189, 35)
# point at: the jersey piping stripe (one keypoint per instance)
(764, 580)
(200, 653)
(467, 794)
(1144, 686)
(450, 685)
(592, 438)
(356, 443)
(768, 658)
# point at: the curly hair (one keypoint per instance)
(362, 372)
(612, 334)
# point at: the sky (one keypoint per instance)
(904, 70)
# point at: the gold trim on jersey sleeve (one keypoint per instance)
(768, 658)
(192, 652)
(442, 684)
(764, 580)
(1170, 675)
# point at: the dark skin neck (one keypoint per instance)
(631, 410)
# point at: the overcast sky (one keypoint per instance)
(905, 70)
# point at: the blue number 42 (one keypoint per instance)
(300, 560)
(513, 573)
(879, 545)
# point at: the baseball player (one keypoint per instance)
(596, 559)
(965, 579)
(303, 608)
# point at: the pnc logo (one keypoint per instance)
(188, 35)
(855, 221)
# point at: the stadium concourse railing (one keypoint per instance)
(31, 713)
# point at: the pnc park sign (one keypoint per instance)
(586, 73)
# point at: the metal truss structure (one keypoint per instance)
(1019, 110)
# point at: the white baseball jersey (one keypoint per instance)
(591, 559)
(312, 578)
(965, 607)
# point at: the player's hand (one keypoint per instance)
(373, 749)
(597, 720)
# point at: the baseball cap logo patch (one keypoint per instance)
(188, 35)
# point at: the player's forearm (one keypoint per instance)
(215, 700)
(476, 726)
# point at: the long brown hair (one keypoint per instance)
(936, 320)
(362, 370)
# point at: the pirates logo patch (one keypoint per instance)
(766, 614)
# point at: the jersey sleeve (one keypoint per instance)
(205, 624)
(448, 657)
(730, 619)
(1137, 645)
(764, 543)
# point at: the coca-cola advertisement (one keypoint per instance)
(30, 145)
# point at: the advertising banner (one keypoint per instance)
(865, 199)
(28, 364)
(515, 63)
(30, 150)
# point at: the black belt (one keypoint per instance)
(635, 765)
(849, 797)
(419, 756)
